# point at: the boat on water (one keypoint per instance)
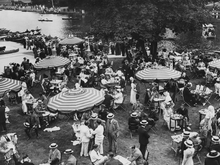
(208, 31)
(45, 20)
(8, 51)
(71, 18)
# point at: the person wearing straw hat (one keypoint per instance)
(215, 144)
(212, 158)
(133, 121)
(188, 153)
(96, 157)
(143, 136)
(183, 147)
(99, 135)
(112, 130)
(71, 159)
(85, 136)
(54, 153)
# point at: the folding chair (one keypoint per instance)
(122, 105)
(207, 98)
(186, 102)
(152, 123)
(196, 155)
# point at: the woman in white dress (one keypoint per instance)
(167, 114)
(210, 114)
(188, 153)
(133, 99)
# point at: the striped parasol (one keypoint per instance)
(80, 99)
(52, 61)
(215, 64)
(9, 84)
(71, 41)
(160, 73)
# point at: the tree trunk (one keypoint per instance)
(141, 44)
(153, 49)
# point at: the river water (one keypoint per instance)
(20, 21)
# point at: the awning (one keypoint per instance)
(81, 99)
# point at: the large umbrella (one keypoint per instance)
(71, 41)
(52, 61)
(80, 99)
(9, 84)
(215, 64)
(160, 73)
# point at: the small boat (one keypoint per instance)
(71, 18)
(45, 20)
(9, 51)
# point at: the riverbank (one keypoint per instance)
(62, 10)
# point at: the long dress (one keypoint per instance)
(133, 99)
(188, 156)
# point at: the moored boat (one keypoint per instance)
(9, 51)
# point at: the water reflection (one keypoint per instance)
(20, 21)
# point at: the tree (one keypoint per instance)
(144, 19)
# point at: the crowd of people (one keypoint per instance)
(94, 69)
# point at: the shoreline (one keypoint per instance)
(30, 9)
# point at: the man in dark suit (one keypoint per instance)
(215, 144)
(212, 158)
(2, 116)
(188, 96)
(108, 99)
(112, 160)
(143, 136)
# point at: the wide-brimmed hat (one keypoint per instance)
(94, 115)
(186, 134)
(143, 122)
(110, 116)
(53, 145)
(134, 114)
(68, 151)
(188, 143)
(40, 101)
(189, 84)
(213, 154)
(26, 124)
(215, 139)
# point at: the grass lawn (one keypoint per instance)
(159, 146)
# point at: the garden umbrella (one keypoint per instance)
(160, 73)
(71, 41)
(7, 84)
(52, 61)
(215, 64)
(80, 99)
